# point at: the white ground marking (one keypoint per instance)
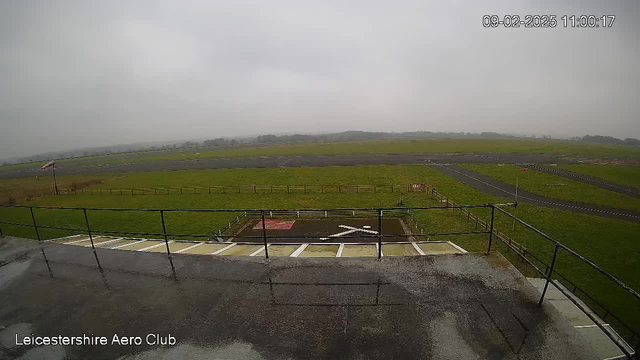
(415, 246)
(340, 250)
(358, 229)
(188, 248)
(124, 245)
(64, 238)
(223, 249)
(259, 250)
(588, 326)
(76, 241)
(457, 247)
(367, 227)
(381, 253)
(299, 250)
(155, 246)
(107, 242)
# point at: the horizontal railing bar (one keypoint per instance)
(257, 210)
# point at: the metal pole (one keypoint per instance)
(379, 234)
(164, 231)
(513, 226)
(493, 211)
(264, 236)
(549, 274)
(35, 226)
(86, 220)
(55, 182)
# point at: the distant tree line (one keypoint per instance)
(610, 140)
(298, 138)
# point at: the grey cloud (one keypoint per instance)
(83, 73)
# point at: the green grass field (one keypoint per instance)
(537, 182)
(624, 175)
(608, 242)
(536, 146)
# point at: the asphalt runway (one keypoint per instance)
(294, 161)
(494, 187)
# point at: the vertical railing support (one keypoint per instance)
(86, 221)
(35, 226)
(164, 232)
(264, 235)
(549, 274)
(379, 234)
(493, 212)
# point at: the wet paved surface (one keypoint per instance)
(494, 187)
(293, 161)
(440, 307)
(601, 183)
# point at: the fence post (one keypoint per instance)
(164, 231)
(209, 189)
(264, 236)
(255, 191)
(287, 189)
(379, 234)
(86, 220)
(549, 274)
(493, 211)
(339, 188)
(391, 188)
(1, 234)
(35, 226)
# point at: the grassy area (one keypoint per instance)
(624, 175)
(537, 182)
(18, 190)
(608, 242)
(537, 146)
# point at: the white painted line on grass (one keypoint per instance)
(299, 250)
(123, 245)
(107, 242)
(259, 250)
(76, 241)
(415, 246)
(188, 248)
(223, 249)
(457, 247)
(154, 246)
(340, 250)
(64, 238)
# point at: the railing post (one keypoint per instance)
(164, 231)
(493, 212)
(86, 220)
(379, 234)
(35, 226)
(549, 274)
(264, 235)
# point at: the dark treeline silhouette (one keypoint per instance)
(295, 138)
(610, 140)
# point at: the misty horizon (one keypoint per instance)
(80, 74)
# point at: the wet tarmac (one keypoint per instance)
(438, 307)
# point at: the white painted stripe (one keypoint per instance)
(224, 248)
(588, 326)
(357, 229)
(154, 246)
(188, 248)
(457, 247)
(107, 242)
(299, 250)
(64, 238)
(259, 250)
(381, 253)
(124, 245)
(340, 250)
(343, 233)
(76, 241)
(415, 246)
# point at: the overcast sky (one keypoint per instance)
(90, 73)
